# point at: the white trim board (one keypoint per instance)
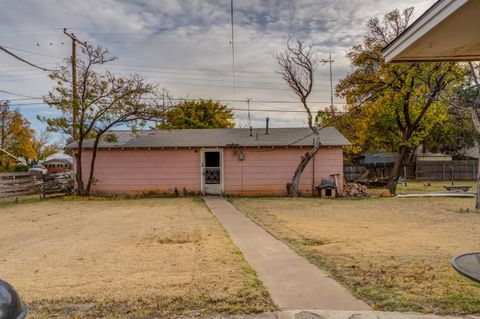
(424, 24)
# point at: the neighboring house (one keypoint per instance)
(213, 161)
(433, 157)
(470, 153)
(58, 165)
(423, 155)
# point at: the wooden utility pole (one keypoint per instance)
(74, 81)
(233, 52)
(249, 117)
(329, 61)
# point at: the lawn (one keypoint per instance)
(393, 253)
(137, 258)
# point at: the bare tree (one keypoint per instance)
(104, 101)
(298, 63)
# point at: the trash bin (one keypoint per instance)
(11, 305)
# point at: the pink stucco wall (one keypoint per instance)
(143, 171)
(267, 171)
(263, 171)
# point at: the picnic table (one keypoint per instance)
(468, 265)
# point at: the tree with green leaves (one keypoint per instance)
(104, 101)
(15, 136)
(42, 147)
(453, 137)
(404, 102)
(197, 114)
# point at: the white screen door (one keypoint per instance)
(212, 172)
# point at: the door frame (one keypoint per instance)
(202, 167)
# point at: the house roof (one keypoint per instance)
(447, 31)
(378, 158)
(329, 136)
(63, 160)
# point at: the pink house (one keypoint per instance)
(214, 161)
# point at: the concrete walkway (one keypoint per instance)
(293, 282)
(335, 314)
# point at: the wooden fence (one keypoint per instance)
(22, 184)
(60, 183)
(354, 172)
(18, 184)
(459, 170)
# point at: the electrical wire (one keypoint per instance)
(23, 60)
(22, 95)
(203, 99)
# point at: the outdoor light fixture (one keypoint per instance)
(11, 305)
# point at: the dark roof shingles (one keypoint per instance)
(329, 136)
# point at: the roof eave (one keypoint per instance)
(426, 22)
(205, 146)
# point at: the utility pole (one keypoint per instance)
(249, 117)
(233, 51)
(329, 61)
(74, 80)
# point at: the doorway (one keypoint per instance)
(212, 172)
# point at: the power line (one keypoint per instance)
(233, 109)
(210, 70)
(23, 60)
(36, 53)
(17, 94)
(174, 72)
(25, 79)
(202, 99)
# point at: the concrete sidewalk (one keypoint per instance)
(293, 282)
(334, 314)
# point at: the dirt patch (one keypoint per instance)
(393, 253)
(125, 258)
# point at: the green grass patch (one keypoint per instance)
(20, 200)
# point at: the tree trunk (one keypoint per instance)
(78, 169)
(477, 199)
(294, 191)
(92, 165)
(395, 171)
(476, 124)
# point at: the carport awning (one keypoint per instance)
(448, 31)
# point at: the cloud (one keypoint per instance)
(185, 47)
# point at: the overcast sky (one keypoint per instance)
(184, 46)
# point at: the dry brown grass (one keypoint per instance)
(124, 258)
(393, 253)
